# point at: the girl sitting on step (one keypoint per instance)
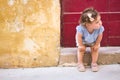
(89, 33)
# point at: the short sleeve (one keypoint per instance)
(79, 29)
(101, 30)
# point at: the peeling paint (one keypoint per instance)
(11, 2)
(25, 1)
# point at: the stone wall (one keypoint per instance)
(29, 33)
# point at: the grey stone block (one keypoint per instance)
(107, 55)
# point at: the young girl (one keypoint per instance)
(89, 34)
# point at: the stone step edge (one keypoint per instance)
(107, 55)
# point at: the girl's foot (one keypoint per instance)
(94, 67)
(81, 68)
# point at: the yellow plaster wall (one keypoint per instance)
(29, 33)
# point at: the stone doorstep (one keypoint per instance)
(107, 55)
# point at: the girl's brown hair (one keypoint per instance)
(88, 15)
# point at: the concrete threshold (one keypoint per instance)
(107, 55)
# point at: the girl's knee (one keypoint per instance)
(81, 49)
(95, 49)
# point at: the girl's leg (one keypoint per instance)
(94, 54)
(80, 55)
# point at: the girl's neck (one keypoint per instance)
(90, 29)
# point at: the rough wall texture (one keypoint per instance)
(29, 33)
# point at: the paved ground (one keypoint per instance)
(106, 72)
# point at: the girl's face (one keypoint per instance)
(96, 23)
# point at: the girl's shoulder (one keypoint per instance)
(100, 30)
(81, 27)
(101, 27)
